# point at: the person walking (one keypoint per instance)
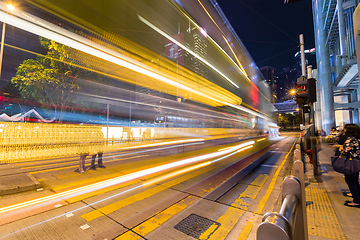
(351, 149)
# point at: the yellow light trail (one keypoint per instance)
(261, 139)
(214, 42)
(120, 179)
(176, 173)
(167, 143)
(242, 149)
(37, 26)
(187, 49)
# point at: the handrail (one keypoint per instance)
(290, 222)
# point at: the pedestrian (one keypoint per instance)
(351, 149)
(83, 148)
(323, 135)
(82, 167)
(100, 161)
(340, 139)
(97, 146)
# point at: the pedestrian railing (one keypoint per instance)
(290, 222)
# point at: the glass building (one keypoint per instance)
(337, 69)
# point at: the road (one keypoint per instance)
(208, 193)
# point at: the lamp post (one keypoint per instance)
(12, 8)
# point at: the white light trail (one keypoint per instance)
(62, 36)
(117, 180)
(166, 143)
(187, 49)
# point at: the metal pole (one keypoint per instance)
(309, 71)
(313, 142)
(342, 36)
(303, 73)
(2, 46)
(107, 124)
(313, 133)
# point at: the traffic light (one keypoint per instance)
(305, 91)
(301, 92)
(311, 90)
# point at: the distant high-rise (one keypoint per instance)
(200, 49)
(285, 83)
(269, 74)
(310, 59)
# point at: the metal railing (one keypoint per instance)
(290, 222)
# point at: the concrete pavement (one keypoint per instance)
(328, 218)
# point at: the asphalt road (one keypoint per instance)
(209, 193)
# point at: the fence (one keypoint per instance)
(21, 142)
(290, 222)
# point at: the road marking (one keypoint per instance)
(138, 197)
(83, 227)
(273, 181)
(246, 230)
(249, 225)
(154, 222)
(101, 191)
(232, 215)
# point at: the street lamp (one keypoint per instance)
(11, 8)
(292, 91)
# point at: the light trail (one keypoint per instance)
(112, 196)
(232, 118)
(42, 28)
(244, 148)
(120, 179)
(261, 139)
(176, 173)
(37, 26)
(216, 44)
(187, 49)
(167, 143)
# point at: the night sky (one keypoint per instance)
(270, 29)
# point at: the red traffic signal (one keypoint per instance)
(306, 91)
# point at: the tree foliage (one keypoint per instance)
(48, 79)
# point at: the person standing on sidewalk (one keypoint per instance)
(97, 145)
(83, 146)
(351, 149)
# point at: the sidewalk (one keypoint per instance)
(328, 218)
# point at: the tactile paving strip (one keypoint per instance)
(194, 225)
(322, 220)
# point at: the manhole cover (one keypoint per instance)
(195, 225)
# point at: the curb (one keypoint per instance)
(18, 183)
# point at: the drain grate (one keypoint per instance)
(195, 225)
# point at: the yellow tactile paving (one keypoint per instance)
(322, 220)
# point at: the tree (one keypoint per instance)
(48, 79)
(283, 120)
